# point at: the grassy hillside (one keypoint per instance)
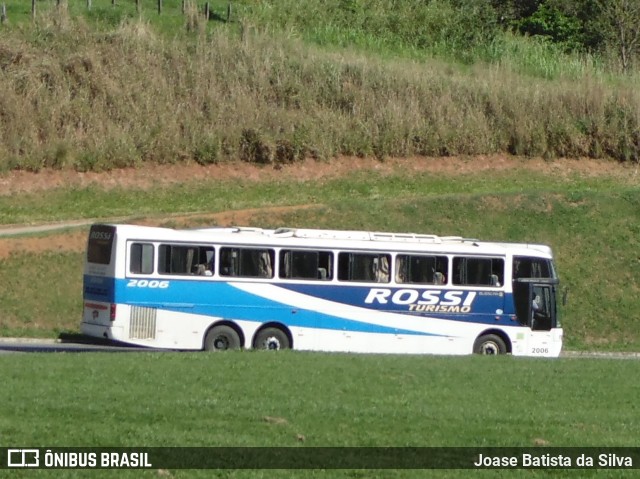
(591, 222)
(106, 90)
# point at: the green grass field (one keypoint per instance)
(262, 399)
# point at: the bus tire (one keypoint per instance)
(489, 345)
(221, 338)
(272, 339)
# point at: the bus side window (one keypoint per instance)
(420, 269)
(247, 262)
(141, 258)
(185, 259)
(365, 267)
(471, 271)
(308, 265)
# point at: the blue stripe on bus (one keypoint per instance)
(238, 304)
(484, 305)
(234, 303)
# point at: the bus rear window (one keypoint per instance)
(100, 244)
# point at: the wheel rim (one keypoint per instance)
(271, 343)
(221, 343)
(489, 348)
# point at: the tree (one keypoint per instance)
(621, 23)
(551, 22)
(514, 10)
(587, 13)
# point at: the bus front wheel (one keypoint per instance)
(221, 338)
(489, 345)
(272, 339)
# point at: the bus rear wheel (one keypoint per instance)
(272, 339)
(221, 338)
(489, 345)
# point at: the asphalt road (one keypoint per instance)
(25, 345)
(21, 345)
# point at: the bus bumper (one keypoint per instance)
(102, 331)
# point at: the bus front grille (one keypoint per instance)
(143, 323)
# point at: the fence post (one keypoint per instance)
(229, 12)
(88, 4)
(33, 9)
(3, 15)
(138, 6)
(184, 7)
(206, 10)
(159, 7)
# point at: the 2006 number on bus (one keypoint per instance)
(144, 283)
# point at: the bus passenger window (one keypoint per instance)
(366, 267)
(469, 271)
(186, 260)
(141, 258)
(308, 265)
(420, 269)
(247, 262)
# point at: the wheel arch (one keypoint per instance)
(225, 322)
(501, 334)
(273, 324)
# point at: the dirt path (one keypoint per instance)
(17, 182)
(71, 236)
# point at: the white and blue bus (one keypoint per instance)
(322, 290)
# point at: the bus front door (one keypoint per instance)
(535, 304)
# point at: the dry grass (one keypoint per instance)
(77, 98)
